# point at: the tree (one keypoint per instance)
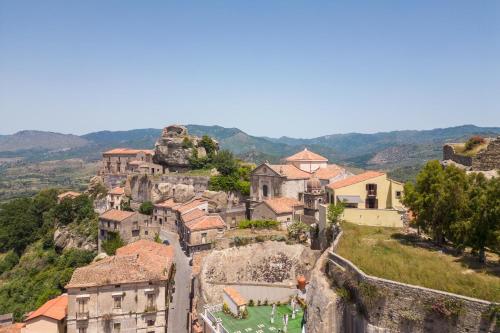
(146, 208)
(113, 243)
(18, 225)
(334, 213)
(225, 163)
(298, 231)
(209, 145)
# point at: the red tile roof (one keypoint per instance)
(194, 214)
(117, 191)
(56, 308)
(140, 261)
(282, 205)
(69, 194)
(169, 203)
(290, 171)
(235, 296)
(331, 171)
(185, 207)
(128, 151)
(206, 222)
(307, 156)
(116, 215)
(355, 179)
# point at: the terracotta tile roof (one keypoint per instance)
(306, 155)
(116, 215)
(69, 194)
(169, 203)
(290, 171)
(117, 191)
(281, 205)
(235, 296)
(192, 215)
(128, 151)
(140, 261)
(206, 222)
(13, 328)
(183, 208)
(55, 308)
(331, 171)
(355, 179)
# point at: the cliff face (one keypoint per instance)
(175, 146)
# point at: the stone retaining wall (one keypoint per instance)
(450, 154)
(402, 307)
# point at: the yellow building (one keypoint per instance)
(370, 198)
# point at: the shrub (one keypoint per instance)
(225, 308)
(473, 142)
(187, 143)
(369, 292)
(258, 303)
(266, 302)
(258, 224)
(251, 303)
(10, 260)
(278, 303)
(113, 243)
(298, 231)
(244, 314)
(146, 208)
(447, 308)
(260, 239)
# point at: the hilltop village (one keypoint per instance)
(190, 239)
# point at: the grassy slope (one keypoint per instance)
(377, 253)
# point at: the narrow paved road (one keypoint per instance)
(179, 308)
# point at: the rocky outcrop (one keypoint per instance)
(65, 238)
(175, 147)
(488, 159)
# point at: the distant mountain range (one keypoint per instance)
(393, 151)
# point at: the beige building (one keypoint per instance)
(114, 198)
(198, 230)
(307, 161)
(168, 213)
(122, 161)
(370, 198)
(128, 292)
(290, 179)
(49, 318)
(281, 209)
(131, 226)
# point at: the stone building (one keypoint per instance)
(131, 226)
(128, 292)
(198, 230)
(371, 198)
(49, 318)
(281, 209)
(307, 161)
(122, 161)
(168, 213)
(114, 198)
(486, 159)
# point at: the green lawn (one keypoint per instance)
(258, 320)
(385, 253)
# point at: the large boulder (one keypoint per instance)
(216, 199)
(175, 146)
(65, 238)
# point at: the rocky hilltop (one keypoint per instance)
(175, 147)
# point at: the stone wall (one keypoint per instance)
(400, 307)
(488, 159)
(450, 154)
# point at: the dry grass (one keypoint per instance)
(384, 253)
(253, 233)
(460, 149)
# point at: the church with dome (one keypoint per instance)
(294, 189)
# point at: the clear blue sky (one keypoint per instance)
(296, 68)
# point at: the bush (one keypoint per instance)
(146, 208)
(225, 308)
(187, 143)
(473, 142)
(258, 224)
(266, 302)
(298, 231)
(113, 243)
(8, 262)
(244, 314)
(251, 303)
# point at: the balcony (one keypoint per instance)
(150, 308)
(82, 315)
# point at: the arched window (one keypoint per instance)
(265, 190)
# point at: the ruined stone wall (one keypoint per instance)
(489, 159)
(399, 307)
(449, 154)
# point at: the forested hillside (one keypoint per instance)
(32, 269)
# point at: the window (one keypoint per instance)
(116, 327)
(203, 238)
(398, 194)
(371, 189)
(150, 302)
(371, 203)
(117, 302)
(103, 233)
(145, 232)
(135, 233)
(161, 221)
(151, 322)
(265, 191)
(81, 306)
(82, 330)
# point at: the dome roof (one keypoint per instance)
(313, 184)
